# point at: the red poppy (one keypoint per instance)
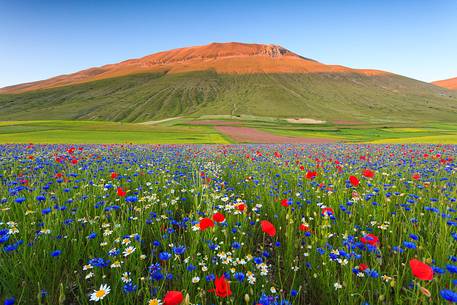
(327, 211)
(285, 203)
(268, 228)
(368, 173)
(363, 267)
(206, 223)
(420, 270)
(173, 298)
(354, 181)
(370, 239)
(303, 227)
(311, 175)
(218, 217)
(113, 175)
(121, 192)
(222, 287)
(240, 207)
(416, 176)
(74, 161)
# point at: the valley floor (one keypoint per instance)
(224, 130)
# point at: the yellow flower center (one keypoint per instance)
(153, 302)
(100, 293)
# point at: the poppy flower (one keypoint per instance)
(327, 212)
(173, 298)
(420, 270)
(121, 192)
(285, 203)
(218, 217)
(114, 175)
(222, 287)
(268, 228)
(206, 223)
(303, 227)
(368, 173)
(311, 175)
(240, 207)
(363, 267)
(354, 181)
(74, 161)
(370, 239)
(416, 176)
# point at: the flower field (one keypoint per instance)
(228, 224)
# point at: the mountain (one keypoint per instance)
(224, 58)
(450, 83)
(228, 78)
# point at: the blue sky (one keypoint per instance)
(40, 39)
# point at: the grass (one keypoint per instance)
(104, 132)
(65, 228)
(181, 131)
(155, 96)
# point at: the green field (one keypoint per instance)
(103, 132)
(182, 130)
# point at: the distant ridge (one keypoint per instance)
(450, 83)
(227, 58)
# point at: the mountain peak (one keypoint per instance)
(219, 50)
(223, 58)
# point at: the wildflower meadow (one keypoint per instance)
(228, 224)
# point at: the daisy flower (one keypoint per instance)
(155, 302)
(99, 294)
(129, 250)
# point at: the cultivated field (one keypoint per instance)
(225, 129)
(227, 224)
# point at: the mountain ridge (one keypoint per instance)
(229, 58)
(450, 83)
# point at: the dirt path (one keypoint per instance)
(251, 135)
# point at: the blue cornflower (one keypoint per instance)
(451, 268)
(239, 276)
(46, 211)
(131, 199)
(179, 250)
(10, 301)
(236, 245)
(164, 256)
(129, 287)
(56, 253)
(409, 245)
(449, 295)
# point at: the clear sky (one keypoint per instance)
(40, 39)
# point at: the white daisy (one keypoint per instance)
(129, 250)
(99, 294)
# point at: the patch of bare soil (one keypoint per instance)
(251, 135)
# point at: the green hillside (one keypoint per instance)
(152, 96)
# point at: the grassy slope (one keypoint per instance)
(156, 96)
